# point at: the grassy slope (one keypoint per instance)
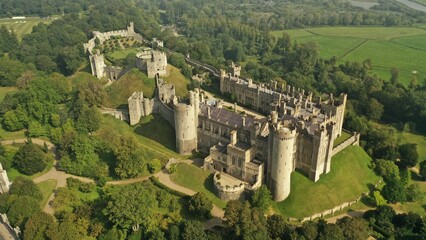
(348, 179)
(156, 128)
(136, 80)
(176, 78)
(46, 188)
(420, 140)
(132, 81)
(388, 47)
(112, 128)
(198, 180)
(21, 28)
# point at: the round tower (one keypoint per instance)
(282, 162)
(185, 128)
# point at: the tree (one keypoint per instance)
(394, 191)
(193, 230)
(25, 187)
(423, 169)
(387, 169)
(309, 230)
(21, 209)
(131, 206)
(40, 226)
(413, 192)
(262, 198)
(408, 154)
(15, 120)
(130, 162)
(35, 129)
(353, 228)
(374, 109)
(200, 204)
(276, 226)
(88, 120)
(10, 70)
(30, 159)
(64, 197)
(154, 165)
(331, 231)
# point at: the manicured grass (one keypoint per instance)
(6, 90)
(417, 42)
(340, 45)
(122, 53)
(132, 81)
(175, 77)
(387, 47)
(156, 128)
(388, 54)
(380, 33)
(46, 188)
(195, 178)
(23, 26)
(6, 135)
(342, 138)
(349, 177)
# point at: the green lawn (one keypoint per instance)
(156, 128)
(13, 173)
(133, 81)
(122, 53)
(418, 206)
(23, 26)
(195, 178)
(342, 138)
(349, 177)
(387, 47)
(175, 77)
(46, 188)
(6, 135)
(341, 45)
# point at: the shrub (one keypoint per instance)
(30, 159)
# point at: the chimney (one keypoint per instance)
(233, 137)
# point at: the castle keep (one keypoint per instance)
(149, 61)
(298, 133)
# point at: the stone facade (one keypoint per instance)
(152, 62)
(298, 134)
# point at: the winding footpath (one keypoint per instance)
(61, 177)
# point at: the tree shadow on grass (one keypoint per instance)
(208, 184)
(156, 128)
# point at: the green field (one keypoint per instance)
(156, 128)
(23, 26)
(387, 47)
(122, 53)
(349, 177)
(46, 188)
(195, 178)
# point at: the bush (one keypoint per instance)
(200, 204)
(154, 165)
(30, 159)
(25, 187)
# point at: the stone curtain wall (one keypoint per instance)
(166, 112)
(352, 141)
(14, 233)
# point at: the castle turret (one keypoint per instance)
(281, 162)
(4, 180)
(135, 107)
(185, 128)
(97, 63)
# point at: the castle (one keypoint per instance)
(149, 61)
(246, 152)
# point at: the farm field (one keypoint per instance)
(23, 26)
(387, 47)
(350, 176)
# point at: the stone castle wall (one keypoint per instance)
(352, 141)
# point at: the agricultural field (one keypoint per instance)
(387, 47)
(350, 176)
(23, 26)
